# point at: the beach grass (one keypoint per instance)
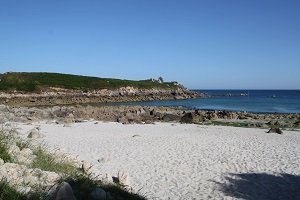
(8, 192)
(4, 154)
(81, 181)
(47, 162)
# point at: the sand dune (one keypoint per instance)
(186, 161)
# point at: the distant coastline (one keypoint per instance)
(51, 89)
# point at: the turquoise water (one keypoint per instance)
(259, 101)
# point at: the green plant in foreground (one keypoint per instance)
(84, 184)
(8, 192)
(47, 162)
(81, 181)
(4, 155)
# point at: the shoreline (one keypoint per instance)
(148, 115)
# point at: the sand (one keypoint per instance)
(186, 161)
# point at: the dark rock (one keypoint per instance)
(152, 112)
(65, 192)
(98, 194)
(187, 118)
(275, 130)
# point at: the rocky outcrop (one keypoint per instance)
(123, 94)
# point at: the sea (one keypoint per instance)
(255, 101)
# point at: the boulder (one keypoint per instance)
(98, 194)
(24, 156)
(187, 118)
(275, 130)
(34, 134)
(65, 192)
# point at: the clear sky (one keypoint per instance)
(212, 44)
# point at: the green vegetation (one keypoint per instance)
(4, 155)
(35, 82)
(7, 192)
(80, 180)
(46, 161)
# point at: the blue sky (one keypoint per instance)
(212, 44)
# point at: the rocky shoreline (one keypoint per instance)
(59, 96)
(146, 115)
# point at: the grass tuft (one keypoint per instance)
(47, 162)
(8, 192)
(4, 155)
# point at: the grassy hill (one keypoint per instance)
(34, 82)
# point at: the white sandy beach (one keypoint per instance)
(184, 161)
